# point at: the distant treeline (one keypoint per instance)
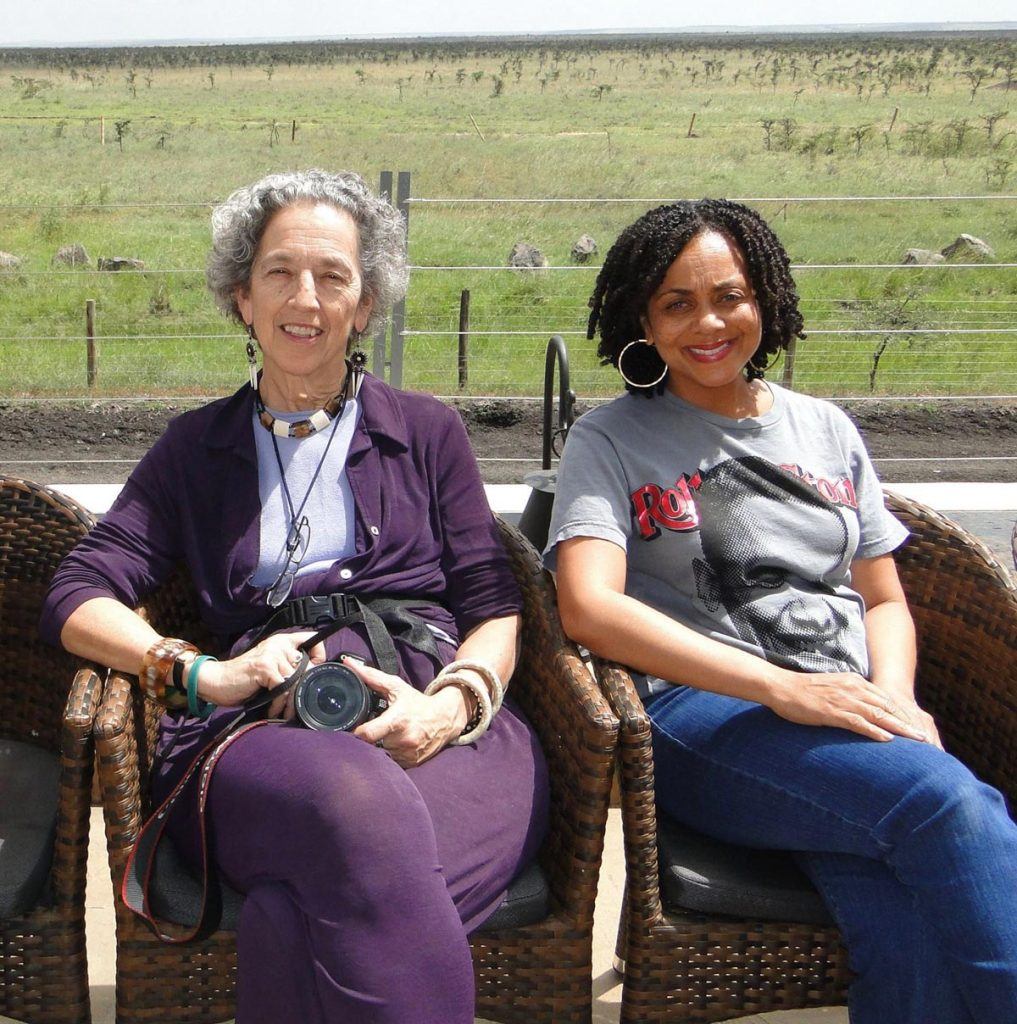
(554, 48)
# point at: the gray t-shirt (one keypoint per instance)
(743, 530)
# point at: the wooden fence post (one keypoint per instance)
(91, 349)
(788, 375)
(464, 338)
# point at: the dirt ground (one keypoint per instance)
(99, 442)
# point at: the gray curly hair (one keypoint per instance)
(239, 221)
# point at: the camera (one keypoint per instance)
(332, 698)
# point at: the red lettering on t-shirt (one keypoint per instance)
(674, 508)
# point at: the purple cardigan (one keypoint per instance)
(423, 524)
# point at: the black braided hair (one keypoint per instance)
(640, 258)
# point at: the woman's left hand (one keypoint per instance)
(910, 709)
(415, 726)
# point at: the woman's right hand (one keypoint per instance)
(843, 700)
(229, 683)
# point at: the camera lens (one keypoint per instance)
(330, 697)
(330, 700)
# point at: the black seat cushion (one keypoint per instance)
(526, 902)
(175, 895)
(29, 787)
(713, 877)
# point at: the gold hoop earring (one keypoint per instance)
(637, 383)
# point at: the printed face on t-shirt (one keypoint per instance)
(759, 526)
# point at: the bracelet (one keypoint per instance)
(195, 705)
(479, 690)
(156, 675)
(492, 680)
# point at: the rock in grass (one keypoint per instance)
(525, 255)
(73, 255)
(120, 263)
(584, 248)
(923, 257)
(8, 261)
(968, 249)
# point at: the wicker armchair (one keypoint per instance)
(44, 735)
(533, 973)
(682, 965)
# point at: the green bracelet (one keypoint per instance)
(195, 705)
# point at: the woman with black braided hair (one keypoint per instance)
(728, 540)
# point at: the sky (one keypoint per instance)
(65, 22)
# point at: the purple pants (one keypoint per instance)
(363, 879)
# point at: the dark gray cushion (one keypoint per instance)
(175, 895)
(29, 786)
(526, 902)
(707, 875)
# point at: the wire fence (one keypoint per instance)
(864, 340)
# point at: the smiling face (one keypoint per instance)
(705, 323)
(305, 298)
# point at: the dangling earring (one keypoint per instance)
(638, 383)
(357, 356)
(252, 358)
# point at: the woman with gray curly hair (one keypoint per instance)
(347, 564)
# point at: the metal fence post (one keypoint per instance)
(399, 312)
(378, 354)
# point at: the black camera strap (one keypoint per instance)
(383, 619)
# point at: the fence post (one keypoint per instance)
(464, 338)
(399, 312)
(102, 130)
(788, 375)
(379, 354)
(91, 349)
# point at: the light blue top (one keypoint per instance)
(329, 507)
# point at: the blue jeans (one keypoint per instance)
(916, 859)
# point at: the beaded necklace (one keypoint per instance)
(305, 427)
(317, 420)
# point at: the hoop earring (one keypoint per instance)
(252, 358)
(640, 384)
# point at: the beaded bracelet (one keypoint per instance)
(157, 671)
(195, 705)
(492, 680)
(479, 690)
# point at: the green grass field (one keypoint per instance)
(836, 116)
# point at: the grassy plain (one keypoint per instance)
(582, 119)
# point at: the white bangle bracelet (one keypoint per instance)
(479, 691)
(491, 679)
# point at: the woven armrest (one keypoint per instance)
(116, 730)
(577, 731)
(964, 604)
(638, 804)
(77, 762)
